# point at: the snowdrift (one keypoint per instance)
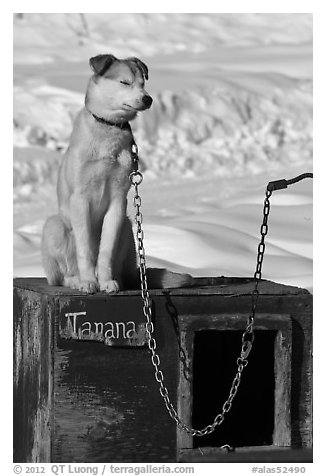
(232, 110)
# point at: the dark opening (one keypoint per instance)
(250, 422)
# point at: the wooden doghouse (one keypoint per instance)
(84, 386)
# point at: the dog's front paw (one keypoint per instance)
(111, 286)
(88, 286)
(71, 282)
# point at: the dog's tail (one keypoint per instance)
(159, 278)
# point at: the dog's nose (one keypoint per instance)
(147, 101)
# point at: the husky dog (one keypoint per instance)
(89, 245)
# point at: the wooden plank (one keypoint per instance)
(33, 363)
(283, 377)
(302, 379)
(232, 321)
(231, 286)
(114, 322)
(185, 403)
(108, 407)
(266, 454)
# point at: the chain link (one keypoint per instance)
(247, 336)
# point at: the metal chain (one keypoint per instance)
(247, 337)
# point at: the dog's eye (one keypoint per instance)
(125, 82)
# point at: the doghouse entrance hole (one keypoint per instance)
(250, 421)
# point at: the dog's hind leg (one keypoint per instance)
(59, 253)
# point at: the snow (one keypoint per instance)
(232, 110)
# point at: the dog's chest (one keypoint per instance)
(106, 172)
(110, 156)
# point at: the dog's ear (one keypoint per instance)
(101, 63)
(142, 66)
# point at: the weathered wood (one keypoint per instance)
(121, 323)
(283, 377)
(204, 286)
(33, 367)
(77, 399)
(256, 454)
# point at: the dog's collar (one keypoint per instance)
(121, 125)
